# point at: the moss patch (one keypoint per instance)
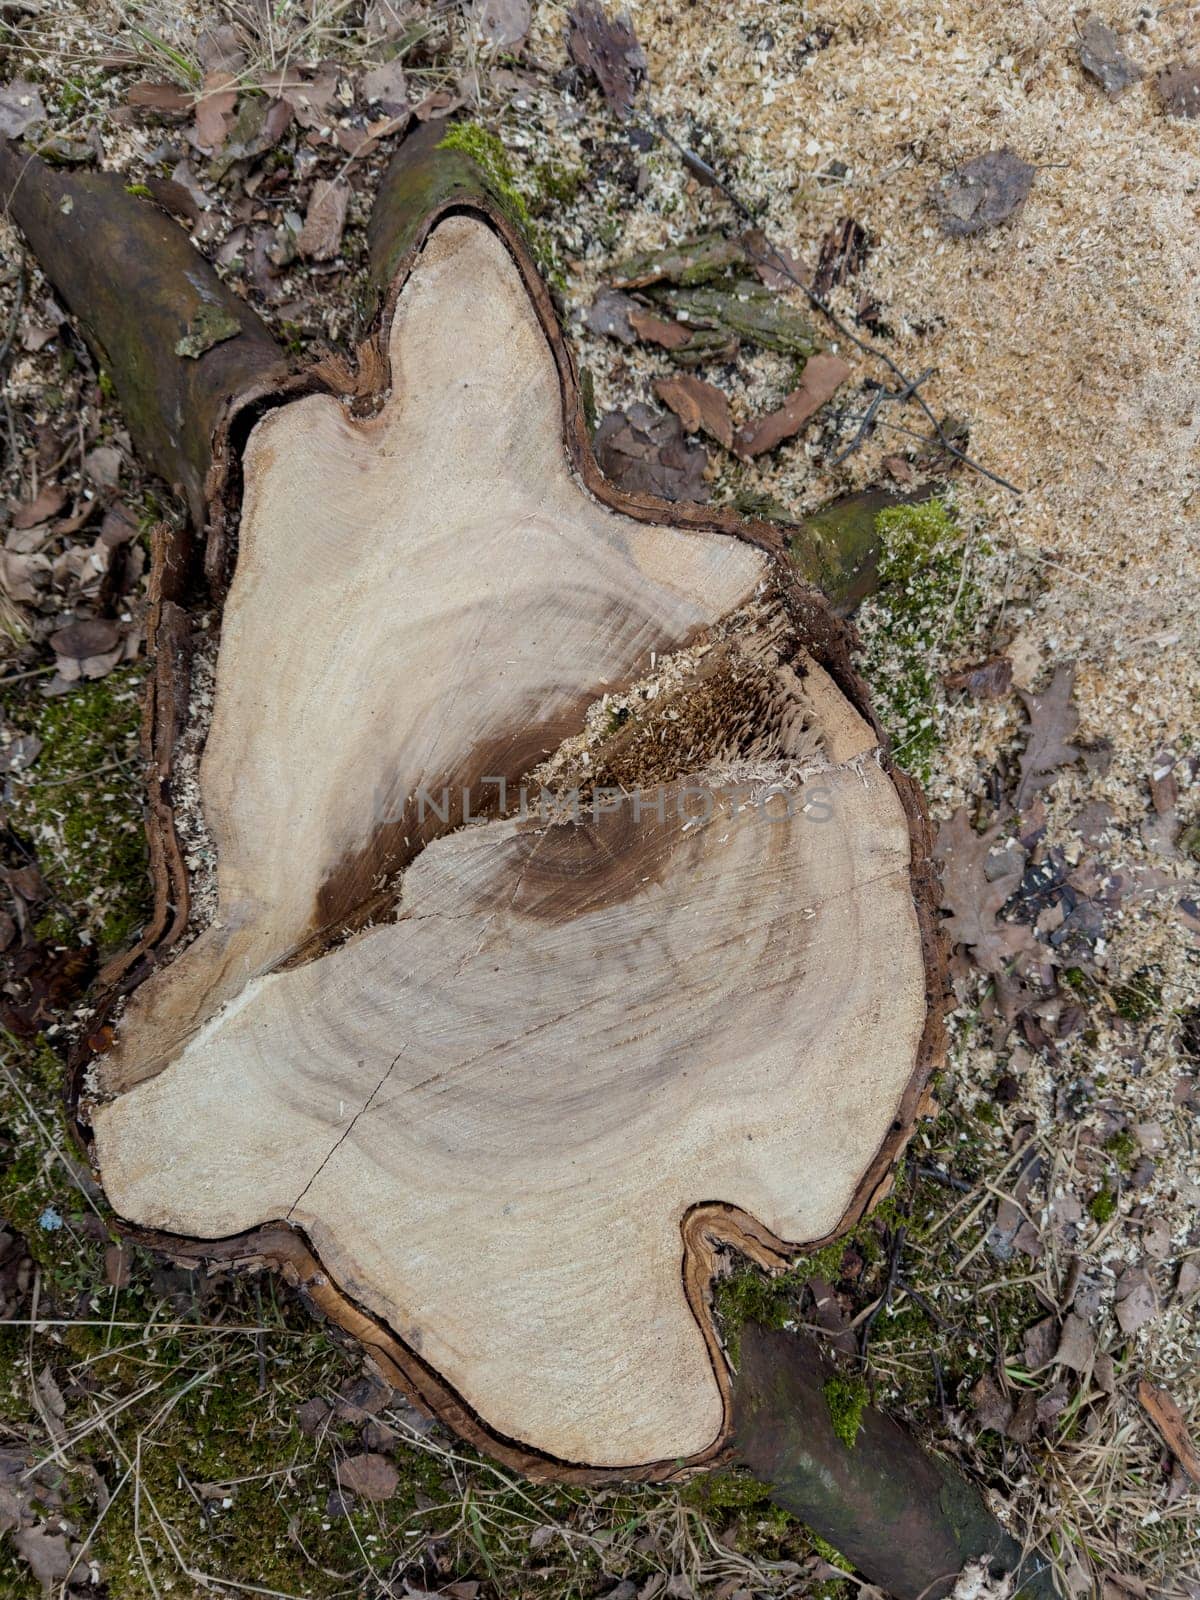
(79, 806)
(926, 603)
(846, 1396)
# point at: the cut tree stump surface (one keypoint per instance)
(514, 1077)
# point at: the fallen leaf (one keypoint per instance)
(173, 197)
(1179, 89)
(1171, 1426)
(822, 377)
(103, 466)
(371, 1476)
(982, 193)
(645, 452)
(988, 680)
(386, 86)
(1040, 1343)
(214, 110)
(310, 1415)
(22, 576)
(609, 315)
(211, 325)
(46, 504)
(1076, 1345)
(1135, 1301)
(657, 330)
(90, 636)
(21, 108)
(1053, 721)
(973, 899)
(118, 1264)
(503, 23)
(991, 1408)
(606, 47)
(321, 236)
(437, 104)
(1101, 57)
(47, 1555)
(700, 406)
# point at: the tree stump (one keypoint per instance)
(569, 921)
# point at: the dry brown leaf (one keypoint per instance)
(982, 193)
(1136, 1302)
(822, 377)
(386, 85)
(47, 1555)
(988, 680)
(1053, 721)
(609, 313)
(645, 452)
(1101, 57)
(607, 47)
(371, 1476)
(656, 330)
(503, 24)
(700, 406)
(1179, 89)
(21, 108)
(1170, 1425)
(164, 97)
(21, 576)
(776, 266)
(321, 236)
(972, 900)
(46, 504)
(1076, 1345)
(214, 110)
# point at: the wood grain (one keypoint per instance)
(511, 1078)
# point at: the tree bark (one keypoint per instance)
(139, 291)
(906, 1519)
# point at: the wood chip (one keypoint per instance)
(700, 406)
(823, 375)
(1171, 1426)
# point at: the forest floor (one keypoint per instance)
(1033, 1282)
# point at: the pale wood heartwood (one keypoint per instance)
(510, 1077)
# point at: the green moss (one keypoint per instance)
(1102, 1206)
(489, 155)
(1124, 1148)
(846, 1396)
(80, 805)
(1139, 999)
(925, 604)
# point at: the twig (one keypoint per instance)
(889, 1289)
(713, 178)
